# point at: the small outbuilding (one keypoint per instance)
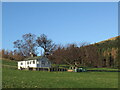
(34, 62)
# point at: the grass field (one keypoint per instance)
(13, 78)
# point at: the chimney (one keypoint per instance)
(31, 54)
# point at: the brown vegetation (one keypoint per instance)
(103, 54)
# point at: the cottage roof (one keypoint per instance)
(34, 58)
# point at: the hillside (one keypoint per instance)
(6, 63)
(108, 51)
(110, 39)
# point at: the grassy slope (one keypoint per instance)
(9, 64)
(13, 78)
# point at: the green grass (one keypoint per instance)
(109, 69)
(13, 78)
(37, 79)
(9, 62)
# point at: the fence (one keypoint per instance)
(48, 69)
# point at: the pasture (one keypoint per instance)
(13, 78)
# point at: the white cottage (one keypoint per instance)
(41, 62)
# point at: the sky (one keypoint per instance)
(63, 22)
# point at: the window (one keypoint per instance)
(21, 63)
(33, 62)
(37, 62)
(27, 62)
(48, 62)
(43, 62)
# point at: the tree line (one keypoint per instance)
(104, 54)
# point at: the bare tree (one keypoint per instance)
(5, 53)
(45, 43)
(82, 44)
(10, 55)
(17, 55)
(27, 46)
(30, 42)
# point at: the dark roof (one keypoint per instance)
(34, 58)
